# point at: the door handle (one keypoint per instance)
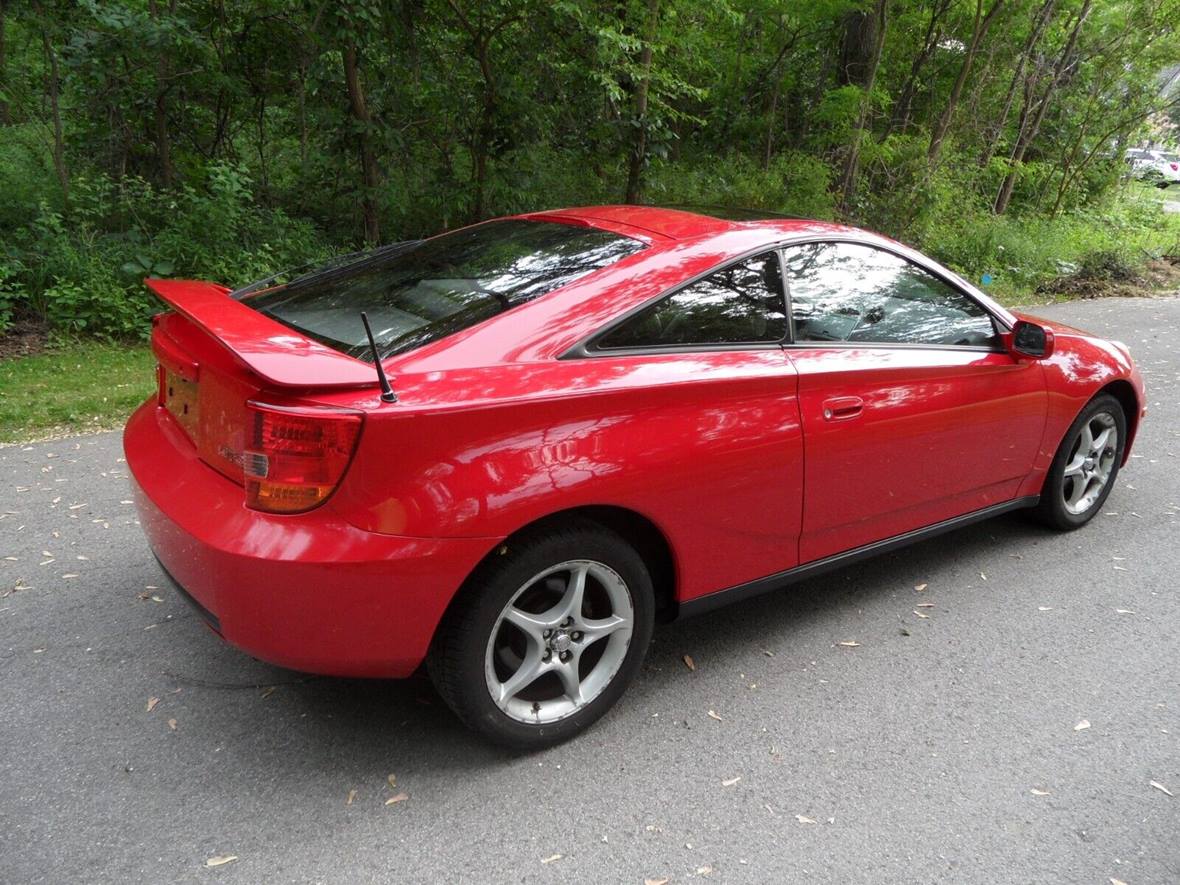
(841, 408)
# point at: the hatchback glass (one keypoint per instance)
(440, 286)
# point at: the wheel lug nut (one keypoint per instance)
(547, 633)
(576, 636)
(565, 656)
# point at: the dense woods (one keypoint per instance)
(224, 139)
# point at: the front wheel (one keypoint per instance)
(1084, 469)
(546, 636)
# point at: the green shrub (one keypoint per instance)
(80, 269)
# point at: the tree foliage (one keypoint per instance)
(219, 137)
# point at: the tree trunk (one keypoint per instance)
(53, 86)
(486, 129)
(992, 138)
(160, 109)
(978, 31)
(639, 147)
(370, 176)
(5, 119)
(900, 118)
(772, 123)
(1037, 115)
(866, 71)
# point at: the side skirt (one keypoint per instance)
(777, 581)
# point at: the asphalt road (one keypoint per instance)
(1005, 728)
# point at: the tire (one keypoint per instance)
(520, 615)
(1083, 471)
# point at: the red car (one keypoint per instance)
(594, 419)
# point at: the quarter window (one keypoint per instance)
(741, 304)
(851, 292)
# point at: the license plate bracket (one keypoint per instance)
(180, 398)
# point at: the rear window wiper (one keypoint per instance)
(319, 271)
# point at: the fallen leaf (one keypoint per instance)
(1037, 792)
(731, 781)
(551, 858)
(663, 881)
(172, 724)
(925, 605)
(151, 704)
(1123, 611)
(1114, 881)
(351, 797)
(1081, 726)
(982, 575)
(268, 691)
(804, 820)
(704, 871)
(768, 652)
(221, 860)
(392, 780)
(922, 615)
(713, 715)
(393, 800)
(1044, 608)
(1161, 788)
(849, 643)
(70, 576)
(920, 587)
(688, 662)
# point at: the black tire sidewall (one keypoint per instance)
(457, 664)
(1052, 498)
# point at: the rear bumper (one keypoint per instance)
(309, 591)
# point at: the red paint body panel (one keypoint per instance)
(310, 592)
(942, 432)
(707, 446)
(727, 453)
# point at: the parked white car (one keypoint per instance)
(1161, 168)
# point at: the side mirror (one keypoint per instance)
(1030, 340)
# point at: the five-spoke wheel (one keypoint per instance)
(547, 634)
(1084, 469)
(559, 641)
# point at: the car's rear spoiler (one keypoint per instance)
(276, 353)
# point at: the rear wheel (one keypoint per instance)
(1084, 469)
(546, 637)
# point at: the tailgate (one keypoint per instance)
(277, 354)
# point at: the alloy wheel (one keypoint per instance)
(1091, 463)
(559, 641)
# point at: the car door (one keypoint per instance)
(912, 411)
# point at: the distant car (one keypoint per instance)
(598, 419)
(1161, 168)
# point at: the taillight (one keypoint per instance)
(297, 456)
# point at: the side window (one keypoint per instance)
(850, 292)
(742, 304)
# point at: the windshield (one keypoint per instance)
(441, 285)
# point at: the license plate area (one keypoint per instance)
(180, 399)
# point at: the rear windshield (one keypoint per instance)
(439, 286)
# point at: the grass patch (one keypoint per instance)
(82, 387)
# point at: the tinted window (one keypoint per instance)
(441, 285)
(849, 292)
(742, 304)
